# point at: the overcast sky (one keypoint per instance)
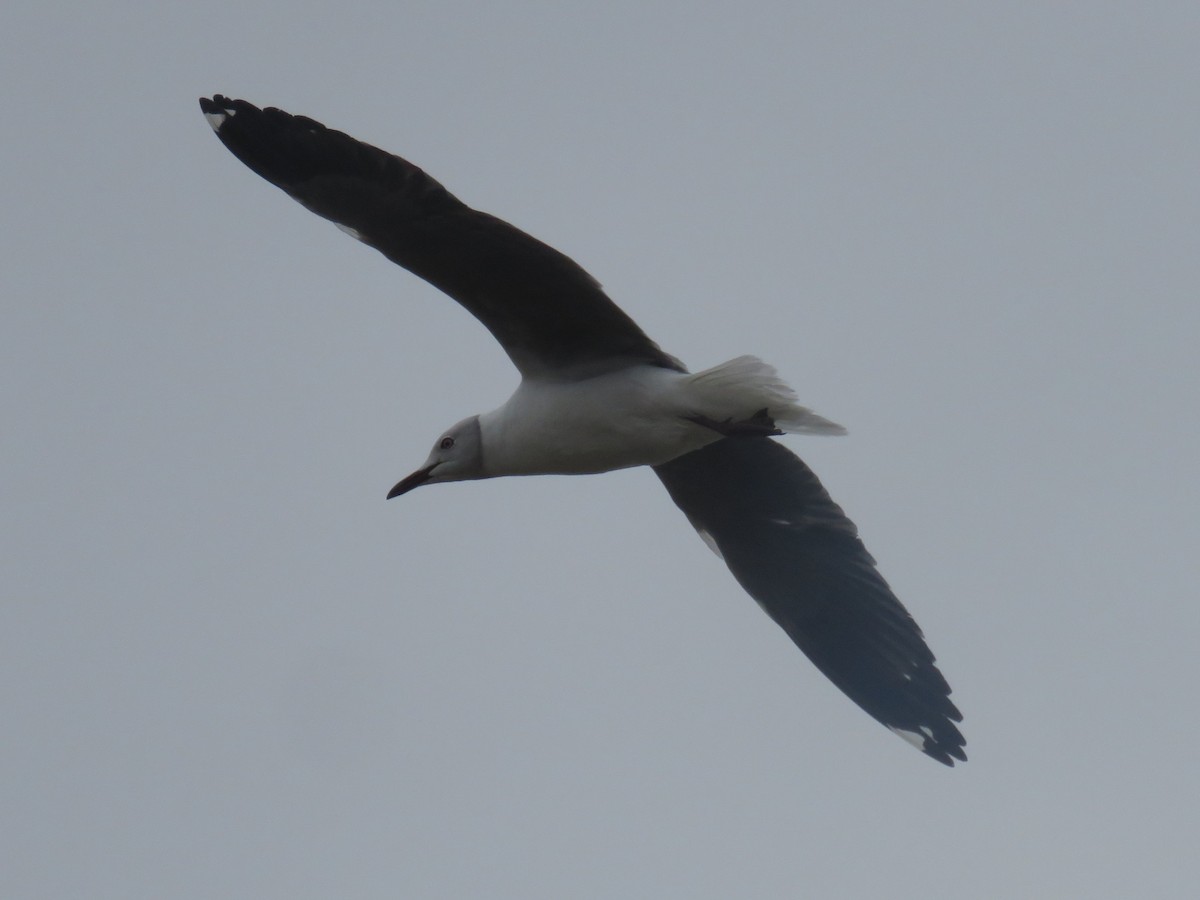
(230, 669)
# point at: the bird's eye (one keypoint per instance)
(447, 443)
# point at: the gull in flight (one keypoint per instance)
(596, 394)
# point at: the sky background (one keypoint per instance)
(229, 668)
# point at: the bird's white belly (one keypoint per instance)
(632, 417)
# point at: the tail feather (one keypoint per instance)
(743, 386)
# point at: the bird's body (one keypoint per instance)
(597, 394)
(631, 417)
(639, 415)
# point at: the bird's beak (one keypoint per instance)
(416, 479)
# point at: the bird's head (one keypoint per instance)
(457, 456)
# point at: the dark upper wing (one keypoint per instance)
(551, 317)
(793, 549)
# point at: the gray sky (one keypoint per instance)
(230, 669)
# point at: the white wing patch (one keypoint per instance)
(711, 542)
(217, 119)
(353, 232)
(917, 740)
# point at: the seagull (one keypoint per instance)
(596, 394)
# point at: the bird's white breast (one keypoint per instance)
(631, 417)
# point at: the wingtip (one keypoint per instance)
(925, 741)
(217, 109)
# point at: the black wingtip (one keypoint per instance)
(218, 108)
(945, 755)
(940, 740)
(276, 145)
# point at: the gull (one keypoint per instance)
(596, 394)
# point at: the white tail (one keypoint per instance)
(741, 387)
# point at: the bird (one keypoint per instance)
(596, 394)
